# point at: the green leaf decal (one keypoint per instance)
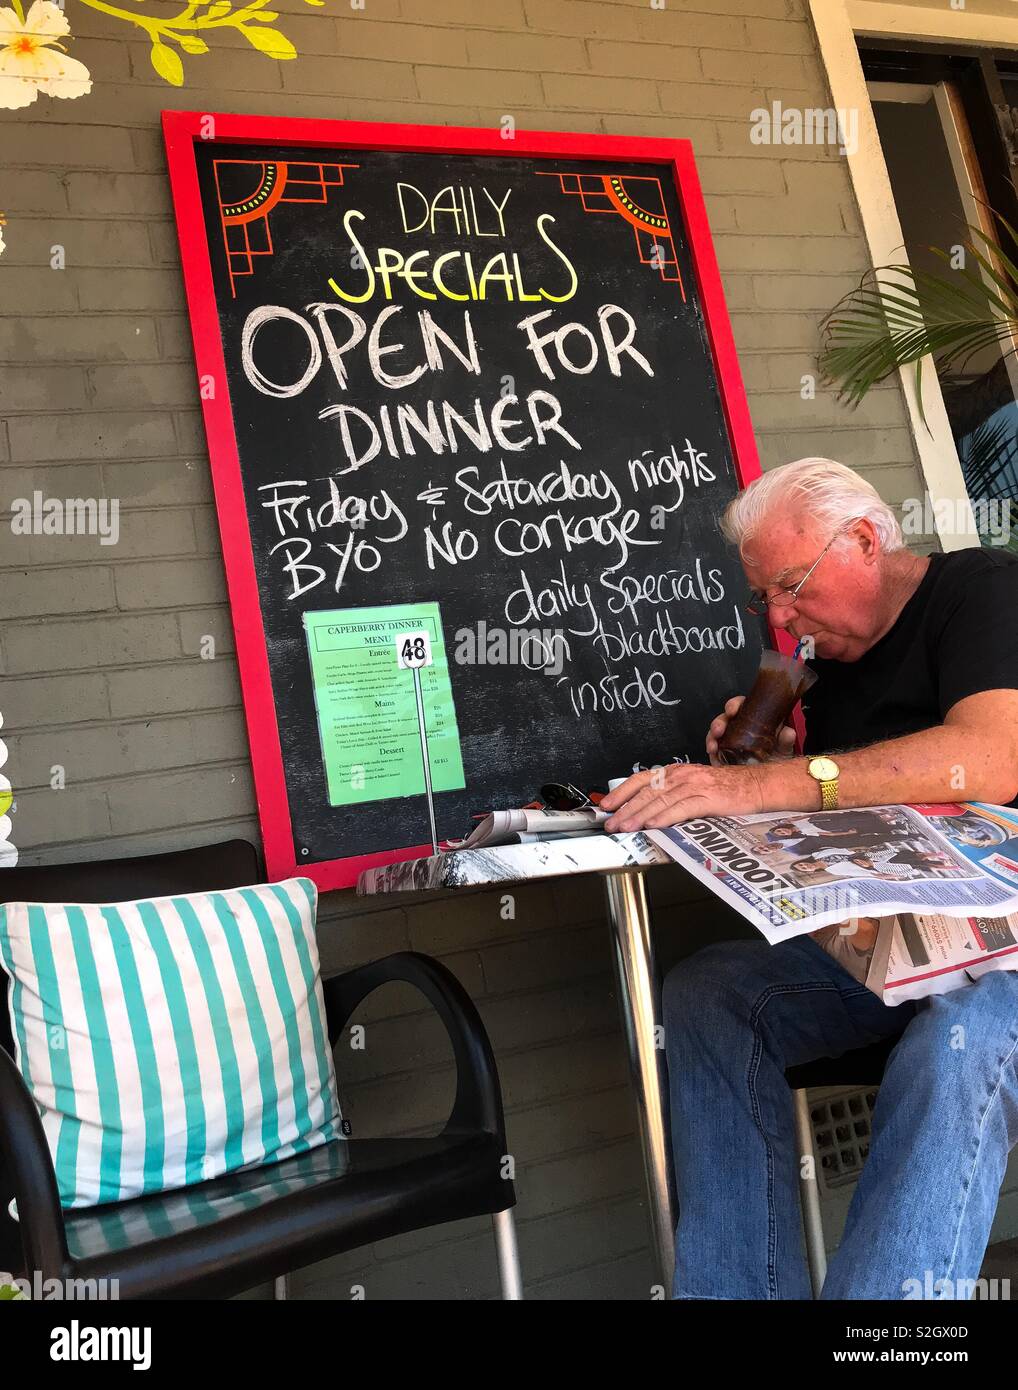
(167, 64)
(270, 42)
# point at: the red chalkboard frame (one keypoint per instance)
(182, 130)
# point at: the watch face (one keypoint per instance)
(824, 769)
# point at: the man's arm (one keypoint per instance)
(972, 756)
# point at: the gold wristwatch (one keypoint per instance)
(826, 771)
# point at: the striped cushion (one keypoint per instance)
(169, 1040)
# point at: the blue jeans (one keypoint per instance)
(736, 1014)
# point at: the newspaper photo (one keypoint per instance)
(911, 900)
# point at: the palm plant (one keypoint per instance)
(898, 316)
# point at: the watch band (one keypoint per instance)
(829, 794)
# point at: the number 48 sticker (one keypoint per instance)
(413, 649)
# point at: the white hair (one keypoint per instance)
(830, 492)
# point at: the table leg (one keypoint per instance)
(638, 997)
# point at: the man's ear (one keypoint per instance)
(864, 534)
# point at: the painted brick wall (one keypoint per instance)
(99, 647)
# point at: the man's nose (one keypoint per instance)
(781, 616)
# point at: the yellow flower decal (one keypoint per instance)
(32, 60)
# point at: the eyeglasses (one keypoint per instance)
(759, 603)
(563, 796)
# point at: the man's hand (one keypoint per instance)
(680, 791)
(786, 739)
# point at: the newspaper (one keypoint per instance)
(528, 826)
(911, 900)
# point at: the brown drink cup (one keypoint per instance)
(752, 733)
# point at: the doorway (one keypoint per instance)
(947, 123)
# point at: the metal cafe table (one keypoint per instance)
(621, 859)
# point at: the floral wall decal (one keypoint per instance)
(32, 60)
(202, 16)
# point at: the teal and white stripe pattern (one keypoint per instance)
(170, 1040)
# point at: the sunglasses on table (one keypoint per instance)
(563, 796)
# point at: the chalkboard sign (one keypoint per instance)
(473, 412)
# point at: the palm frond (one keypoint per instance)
(898, 315)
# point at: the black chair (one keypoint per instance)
(863, 1066)
(221, 1237)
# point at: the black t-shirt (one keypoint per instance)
(956, 636)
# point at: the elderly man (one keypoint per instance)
(917, 659)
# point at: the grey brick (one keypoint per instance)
(30, 190)
(170, 583)
(181, 686)
(36, 290)
(613, 1170)
(43, 388)
(563, 1068)
(154, 803)
(788, 411)
(206, 530)
(142, 290)
(133, 195)
(52, 480)
(89, 643)
(52, 437)
(412, 43)
(511, 88)
(122, 750)
(128, 385)
(83, 242)
(759, 68)
(39, 592)
(861, 449)
(48, 818)
(645, 60)
(528, 52)
(99, 147)
(152, 482)
(805, 254)
(197, 625)
(507, 14)
(635, 1278)
(191, 436)
(31, 702)
(350, 79)
(79, 339)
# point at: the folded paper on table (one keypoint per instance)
(509, 863)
